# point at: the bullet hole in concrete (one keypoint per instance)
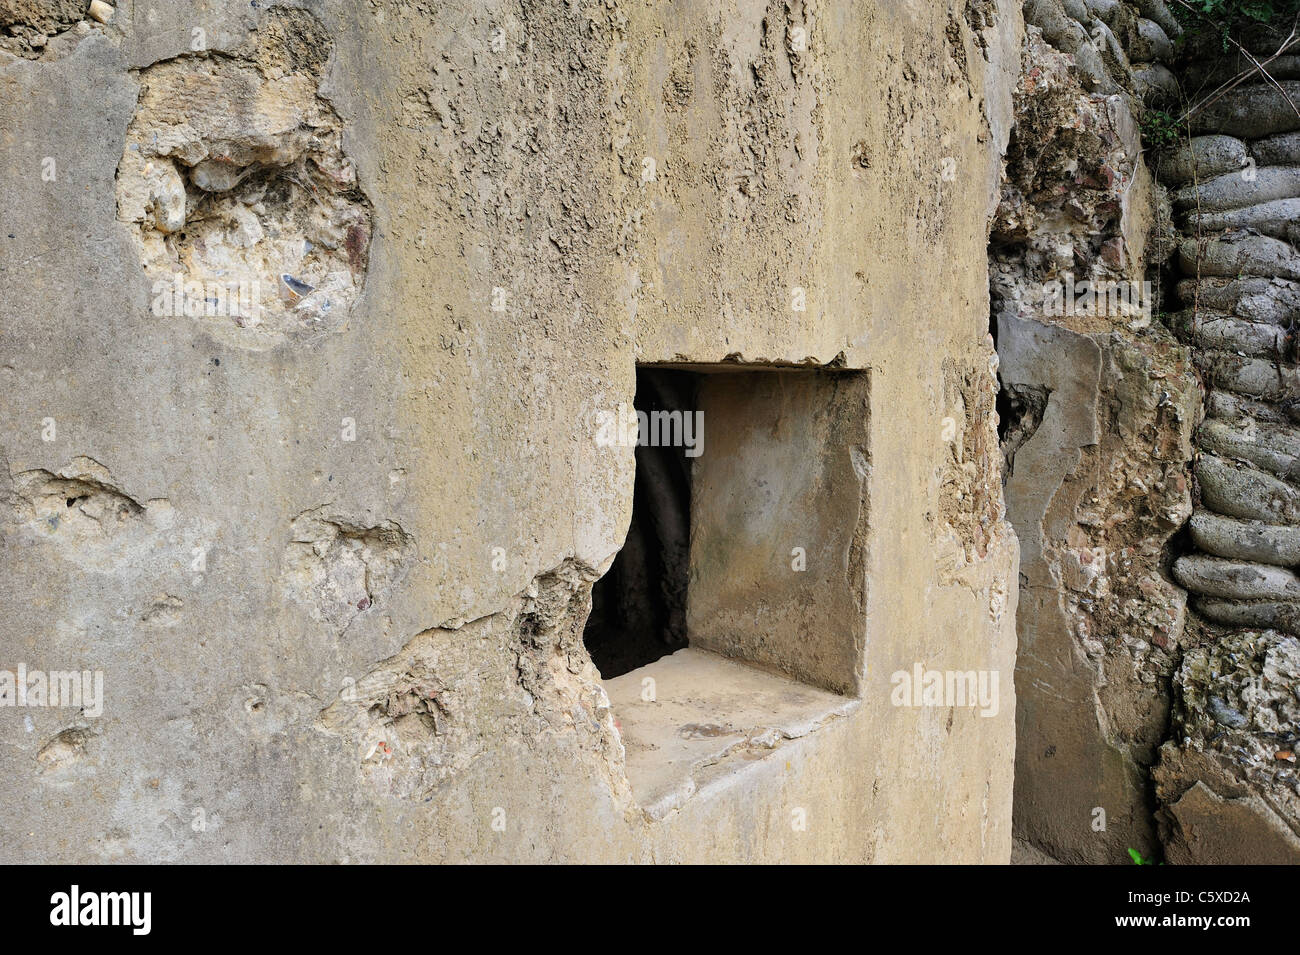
(246, 210)
(638, 612)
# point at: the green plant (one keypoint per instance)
(1191, 12)
(1138, 860)
(1226, 18)
(1161, 130)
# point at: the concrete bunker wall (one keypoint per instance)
(336, 579)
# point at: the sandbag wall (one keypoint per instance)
(1227, 775)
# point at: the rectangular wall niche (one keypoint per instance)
(740, 591)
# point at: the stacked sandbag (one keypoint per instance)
(1235, 187)
(1118, 47)
(1226, 780)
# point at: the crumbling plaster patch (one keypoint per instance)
(245, 210)
(340, 568)
(420, 718)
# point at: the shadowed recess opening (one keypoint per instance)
(638, 609)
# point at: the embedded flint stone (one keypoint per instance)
(1204, 158)
(1274, 614)
(1279, 219)
(1272, 447)
(214, 175)
(1239, 255)
(1221, 536)
(1257, 377)
(1251, 111)
(1236, 190)
(1235, 579)
(1208, 329)
(166, 198)
(1257, 298)
(1238, 490)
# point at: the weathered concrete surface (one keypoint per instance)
(704, 718)
(1102, 403)
(1098, 623)
(524, 256)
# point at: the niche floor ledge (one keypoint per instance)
(710, 718)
